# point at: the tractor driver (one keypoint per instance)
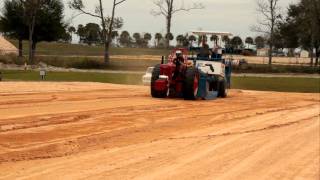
(178, 61)
(179, 58)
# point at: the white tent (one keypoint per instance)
(6, 47)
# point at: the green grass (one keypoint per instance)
(13, 75)
(91, 62)
(282, 84)
(65, 49)
(88, 62)
(276, 68)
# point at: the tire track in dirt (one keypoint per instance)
(99, 131)
(73, 145)
(271, 127)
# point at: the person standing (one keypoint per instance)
(25, 66)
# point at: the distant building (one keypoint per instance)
(262, 52)
(6, 47)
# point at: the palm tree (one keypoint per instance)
(125, 39)
(215, 39)
(114, 35)
(226, 39)
(71, 29)
(81, 32)
(249, 41)
(158, 37)
(260, 42)
(236, 42)
(201, 39)
(192, 39)
(169, 37)
(147, 37)
(180, 39)
(137, 38)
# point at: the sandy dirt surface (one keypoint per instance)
(104, 131)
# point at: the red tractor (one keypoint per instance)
(177, 78)
(204, 75)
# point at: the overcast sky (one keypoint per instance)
(235, 16)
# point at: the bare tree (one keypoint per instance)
(31, 8)
(270, 16)
(108, 24)
(168, 8)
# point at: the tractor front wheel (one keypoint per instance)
(154, 78)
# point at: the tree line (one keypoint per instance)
(91, 34)
(42, 20)
(299, 28)
(33, 20)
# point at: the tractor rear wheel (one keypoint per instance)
(154, 78)
(191, 84)
(222, 92)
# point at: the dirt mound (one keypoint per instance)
(6, 47)
(104, 131)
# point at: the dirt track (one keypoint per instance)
(103, 131)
